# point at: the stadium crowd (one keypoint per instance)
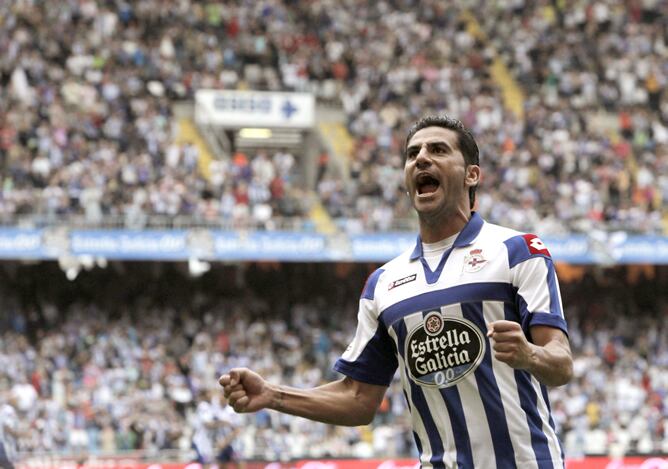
(579, 65)
(127, 359)
(563, 166)
(87, 124)
(86, 120)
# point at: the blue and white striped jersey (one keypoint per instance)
(468, 409)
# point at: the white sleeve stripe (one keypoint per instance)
(366, 329)
(537, 284)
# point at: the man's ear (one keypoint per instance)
(472, 175)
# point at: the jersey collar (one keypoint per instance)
(468, 234)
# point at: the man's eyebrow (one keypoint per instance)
(432, 143)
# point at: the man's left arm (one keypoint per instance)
(547, 357)
(537, 341)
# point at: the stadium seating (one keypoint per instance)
(92, 374)
(88, 130)
(568, 106)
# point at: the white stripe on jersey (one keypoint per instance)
(520, 435)
(418, 425)
(537, 298)
(367, 323)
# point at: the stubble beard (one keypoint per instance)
(436, 218)
(443, 215)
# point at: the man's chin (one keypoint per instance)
(430, 212)
(427, 204)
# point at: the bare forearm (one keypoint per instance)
(335, 403)
(551, 364)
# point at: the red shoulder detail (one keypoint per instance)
(535, 245)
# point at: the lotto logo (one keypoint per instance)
(535, 245)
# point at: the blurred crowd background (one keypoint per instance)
(127, 359)
(567, 101)
(573, 136)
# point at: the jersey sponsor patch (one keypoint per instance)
(401, 281)
(441, 351)
(535, 245)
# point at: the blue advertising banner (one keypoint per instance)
(380, 247)
(181, 245)
(283, 246)
(639, 249)
(17, 243)
(130, 245)
(576, 249)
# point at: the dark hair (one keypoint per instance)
(465, 140)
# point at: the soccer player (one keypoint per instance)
(471, 316)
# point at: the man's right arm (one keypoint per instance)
(343, 402)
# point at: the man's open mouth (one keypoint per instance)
(426, 184)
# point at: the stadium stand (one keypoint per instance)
(569, 106)
(87, 128)
(126, 358)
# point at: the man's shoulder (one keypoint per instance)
(492, 232)
(519, 245)
(391, 267)
(398, 262)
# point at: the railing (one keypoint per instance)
(143, 222)
(350, 225)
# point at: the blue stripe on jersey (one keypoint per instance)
(491, 396)
(547, 319)
(483, 291)
(543, 391)
(462, 439)
(529, 404)
(420, 404)
(518, 251)
(370, 285)
(555, 306)
(418, 444)
(523, 316)
(536, 318)
(377, 362)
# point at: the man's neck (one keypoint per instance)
(432, 231)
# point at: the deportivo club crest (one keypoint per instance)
(441, 351)
(433, 323)
(474, 261)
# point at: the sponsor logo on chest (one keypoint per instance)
(401, 281)
(441, 351)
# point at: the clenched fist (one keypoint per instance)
(510, 345)
(245, 390)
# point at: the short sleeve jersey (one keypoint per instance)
(468, 409)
